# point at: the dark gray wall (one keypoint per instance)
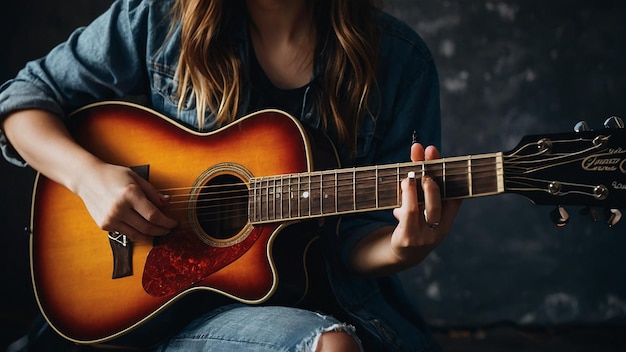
(29, 30)
(511, 68)
(508, 68)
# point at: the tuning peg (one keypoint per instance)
(581, 126)
(612, 216)
(614, 122)
(559, 216)
(591, 211)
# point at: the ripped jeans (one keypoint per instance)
(238, 327)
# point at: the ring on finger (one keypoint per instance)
(432, 225)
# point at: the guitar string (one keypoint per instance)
(226, 194)
(435, 173)
(449, 170)
(304, 207)
(207, 206)
(457, 173)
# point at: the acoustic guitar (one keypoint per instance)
(238, 193)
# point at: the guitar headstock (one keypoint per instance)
(586, 167)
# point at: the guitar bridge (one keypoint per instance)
(122, 250)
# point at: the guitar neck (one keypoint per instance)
(361, 189)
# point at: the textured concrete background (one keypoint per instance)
(508, 68)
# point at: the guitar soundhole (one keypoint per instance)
(219, 205)
(222, 207)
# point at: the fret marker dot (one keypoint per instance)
(305, 194)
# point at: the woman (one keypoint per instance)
(339, 66)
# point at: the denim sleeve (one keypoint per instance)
(105, 60)
(416, 108)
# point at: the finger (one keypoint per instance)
(433, 209)
(146, 218)
(432, 201)
(431, 153)
(408, 214)
(409, 200)
(417, 152)
(151, 192)
(409, 193)
(130, 232)
(130, 223)
(141, 225)
(149, 211)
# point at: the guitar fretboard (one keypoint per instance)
(361, 189)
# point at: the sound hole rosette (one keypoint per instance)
(218, 205)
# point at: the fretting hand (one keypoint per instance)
(420, 226)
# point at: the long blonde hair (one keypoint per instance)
(210, 65)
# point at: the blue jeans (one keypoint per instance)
(238, 327)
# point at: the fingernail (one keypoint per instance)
(165, 197)
(411, 175)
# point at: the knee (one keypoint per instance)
(337, 341)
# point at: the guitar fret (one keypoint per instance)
(444, 182)
(307, 197)
(376, 182)
(457, 182)
(299, 198)
(252, 204)
(301, 203)
(295, 196)
(366, 186)
(303, 198)
(499, 173)
(327, 194)
(295, 199)
(387, 187)
(273, 191)
(435, 170)
(469, 175)
(398, 189)
(336, 193)
(486, 178)
(274, 196)
(289, 198)
(345, 194)
(261, 199)
(310, 199)
(321, 195)
(267, 203)
(284, 198)
(354, 206)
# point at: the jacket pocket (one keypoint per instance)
(165, 97)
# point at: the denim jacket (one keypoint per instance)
(127, 52)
